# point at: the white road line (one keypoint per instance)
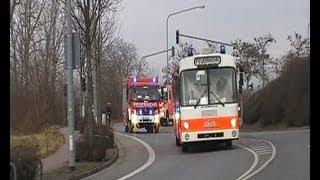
(151, 158)
(254, 164)
(274, 152)
(264, 153)
(260, 148)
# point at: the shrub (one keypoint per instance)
(102, 140)
(25, 158)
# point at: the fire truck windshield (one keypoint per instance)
(145, 93)
(217, 83)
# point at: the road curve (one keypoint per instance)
(263, 155)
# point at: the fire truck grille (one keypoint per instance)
(209, 135)
(146, 111)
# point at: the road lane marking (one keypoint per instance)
(274, 152)
(264, 153)
(260, 148)
(254, 164)
(151, 158)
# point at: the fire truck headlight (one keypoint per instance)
(157, 118)
(176, 116)
(186, 125)
(134, 119)
(233, 122)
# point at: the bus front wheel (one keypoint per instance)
(184, 147)
(228, 144)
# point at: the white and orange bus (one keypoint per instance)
(206, 106)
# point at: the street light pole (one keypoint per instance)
(70, 86)
(178, 12)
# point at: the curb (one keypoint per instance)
(93, 171)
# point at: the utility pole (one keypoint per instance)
(70, 86)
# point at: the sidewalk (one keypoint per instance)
(60, 157)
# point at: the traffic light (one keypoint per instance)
(172, 51)
(222, 49)
(83, 84)
(177, 37)
(65, 90)
(251, 87)
(241, 79)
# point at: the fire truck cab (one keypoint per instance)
(206, 106)
(166, 107)
(141, 98)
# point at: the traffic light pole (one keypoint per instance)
(171, 49)
(70, 86)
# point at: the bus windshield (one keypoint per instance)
(218, 84)
(145, 93)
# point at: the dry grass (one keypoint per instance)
(47, 141)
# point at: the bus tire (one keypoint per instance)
(228, 144)
(184, 148)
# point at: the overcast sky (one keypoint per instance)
(143, 23)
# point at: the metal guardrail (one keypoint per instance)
(14, 171)
(41, 168)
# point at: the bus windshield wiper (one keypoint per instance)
(200, 98)
(215, 96)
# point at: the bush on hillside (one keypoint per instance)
(285, 99)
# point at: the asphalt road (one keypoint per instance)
(261, 156)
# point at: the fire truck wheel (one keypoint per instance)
(130, 128)
(156, 130)
(184, 148)
(149, 130)
(126, 128)
(228, 144)
(178, 142)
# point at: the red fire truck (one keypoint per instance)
(141, 98)
(166, 108)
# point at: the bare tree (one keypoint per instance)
(300, 46)
(263, 58)
(247, 52)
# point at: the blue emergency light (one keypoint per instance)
(190, 51)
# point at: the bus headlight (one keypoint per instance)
(134, 118)
(233, 122)
(186, 125)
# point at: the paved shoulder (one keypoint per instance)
(60, 157)
(132, 155)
